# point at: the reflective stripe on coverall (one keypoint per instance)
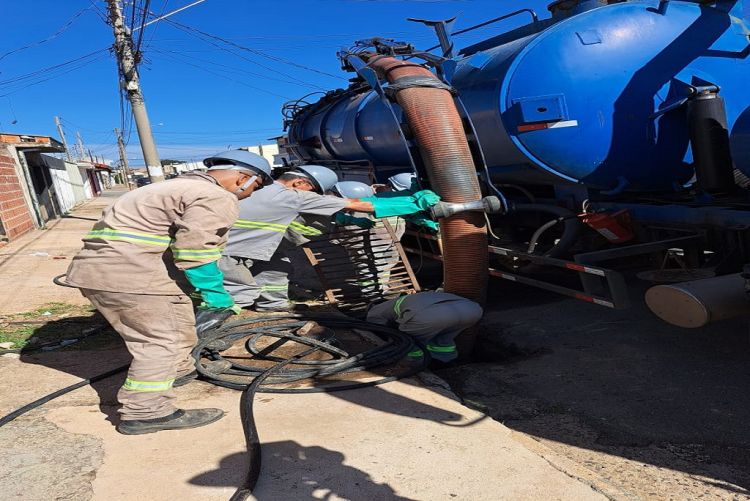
(433, 319)
(129, 268)
(255, 240)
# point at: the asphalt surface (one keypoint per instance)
(659, 411)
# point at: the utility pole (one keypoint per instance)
(123, 158)
(81, 149)
(131, 84)
(62, 137)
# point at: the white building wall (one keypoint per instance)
(61, 181)
(268, 151)
(76, 182)
(87, 190)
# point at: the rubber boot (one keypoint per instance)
(179, 420)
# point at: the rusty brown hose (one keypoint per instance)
(438, 130)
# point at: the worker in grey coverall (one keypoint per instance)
(433, 319)
(255, 270)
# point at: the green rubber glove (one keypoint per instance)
(421, 219)
(348, 220)
(426, 199)
(402, 205)
(208, 280)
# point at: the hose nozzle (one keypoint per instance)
(489, 205)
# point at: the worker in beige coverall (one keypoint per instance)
(136, 266)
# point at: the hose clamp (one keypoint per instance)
(410, 82)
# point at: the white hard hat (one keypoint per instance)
(352, 189)
(323, 178)
(241, 160)
(402, 181)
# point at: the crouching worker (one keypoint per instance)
(433, 319)
(135, 266)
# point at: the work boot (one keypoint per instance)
(179, 420)
(183, 380)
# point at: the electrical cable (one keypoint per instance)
(144, 10)
(236, 70)
(45, 71)
(133, 11)
(153, 32)
(56, 34)
(222, 75)
(207, 40)
(254, 51)
(77, 67)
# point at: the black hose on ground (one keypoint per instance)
(251, 431)
(265, 379)
(252, 379)
(240, 376)
(58, 280)
(36, 403)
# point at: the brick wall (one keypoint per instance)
(14, 213)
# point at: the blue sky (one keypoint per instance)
(202, 94)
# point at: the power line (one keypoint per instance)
(143, 24)
(202, 36)
(240, 70)
(50, 68)
(9, 86)
(56, 34)
(133, 12)
(225, 49)
(153, 32)
(255, 51)
(221, 75)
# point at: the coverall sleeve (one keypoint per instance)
(323, 205)
(201, 232)
(383, 313)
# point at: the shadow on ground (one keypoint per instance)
(294, 472)
(616, 382)
(99, 350)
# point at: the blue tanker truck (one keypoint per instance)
(614, 134)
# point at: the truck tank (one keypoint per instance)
(594, 96)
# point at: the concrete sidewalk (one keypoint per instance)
(404, 440)
(408, 440)
(28, 265)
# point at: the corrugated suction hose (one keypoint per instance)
(433, 118)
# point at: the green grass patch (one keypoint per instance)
(53, 309)
(50, 323)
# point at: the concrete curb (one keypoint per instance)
(571, 468)
(555, 459)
